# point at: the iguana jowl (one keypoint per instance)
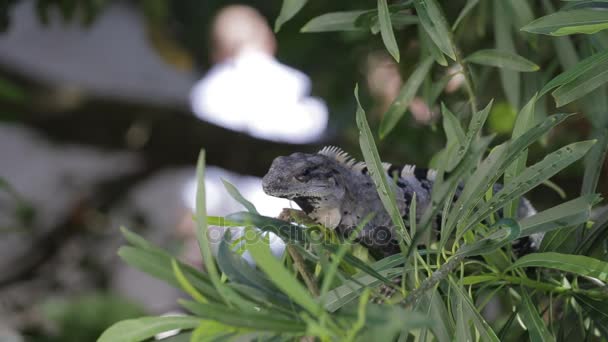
(338, 192)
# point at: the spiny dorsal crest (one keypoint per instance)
(345, 159)
(339, 155)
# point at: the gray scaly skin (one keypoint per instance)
(338, 193)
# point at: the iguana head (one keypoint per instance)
(303, 175)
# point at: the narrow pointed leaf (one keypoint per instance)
(577, 264)
(582, 85)
(537, 330)
(236, 194)
(289, 9)
(485, 331)
(406, 94)
(511, 81)
(582, 67)
(502, 59)
(530, 178)
(278, 274)
(374, 164)
(334, 21)
(386, 29)
(564, 215)
(563, 23)
(435, 24)
(467, 8)
(523, 122)
(141, 329)
(252, 320)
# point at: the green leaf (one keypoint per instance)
(597, 310)
(278, 274)
(431, 303)
(594, 161)
(202, 234)
(521, 12)
(209, 331)
(451, 125)
(406, 94)
(537, 330)
(467, 8)
(289, 9)
(523, 122)
(385, 322)
(239, 271)
(477, 121)
(377, 173)
(567, 214)
(141, 329)
(511, 81)
(582, 67)
(352, 289)
(435, 24)
(357, 263)
(599, 227)
(577, 264)
(386, 29)
(491, 169)
(287, 231)
(429, 47)
(504, 231)
(502, 59)
(137, 240)
(251, 319)
(563, 23)
(485, 331)
(335, 21)
(185, 284)
(236, 194)
(529, 179)
(582, 84)
(158, 265)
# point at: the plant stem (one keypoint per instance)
(468, 83)
(433, 280)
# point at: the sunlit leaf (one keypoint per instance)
(236, 194)
(562, 23)
(278, 274)
(141, 329)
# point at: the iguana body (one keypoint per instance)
(339, 193)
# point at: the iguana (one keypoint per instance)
(336, 191)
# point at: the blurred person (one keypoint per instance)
(248, 90)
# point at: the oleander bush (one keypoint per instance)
(469, 284)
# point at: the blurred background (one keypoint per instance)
(105, 104)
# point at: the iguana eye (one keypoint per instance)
(304, 176)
